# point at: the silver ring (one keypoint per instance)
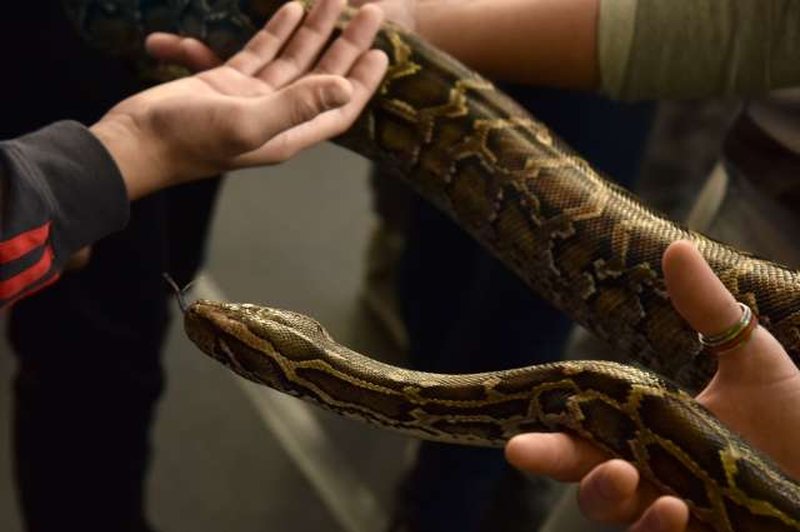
(733, 336)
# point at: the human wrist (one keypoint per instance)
(137, 155)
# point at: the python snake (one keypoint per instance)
(582, 243)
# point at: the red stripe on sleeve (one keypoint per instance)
(55, 276)
(23, 243)
(16, 284)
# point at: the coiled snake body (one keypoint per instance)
(579, 241)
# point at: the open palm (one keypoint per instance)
(287, 89)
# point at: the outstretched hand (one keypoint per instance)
(283, 92)
(755, 392)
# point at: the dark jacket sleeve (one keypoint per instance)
(61, 191)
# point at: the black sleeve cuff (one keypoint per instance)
(78, 181)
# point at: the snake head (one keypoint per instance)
(256, 342)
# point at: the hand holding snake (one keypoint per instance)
(756, 391)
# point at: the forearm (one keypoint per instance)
(541, 42)
(632, 49)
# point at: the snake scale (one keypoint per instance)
(582, 243)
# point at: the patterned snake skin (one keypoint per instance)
(582, 243)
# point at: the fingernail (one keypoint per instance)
(599, 498)
(651, 522)
(607, 488)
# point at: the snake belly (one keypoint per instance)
(579, 241)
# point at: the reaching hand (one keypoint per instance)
(285, 91)
(755, 392)
(190, 53)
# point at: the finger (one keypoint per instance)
(666, 514)
(366, 75)
(356, 38)
(698, 295)
(266, 44)
(305, 44)
(79, 259)
(612, 493)
(709, 308)
(290, 108)
(365, 78)
(558, 456)
(183, 51)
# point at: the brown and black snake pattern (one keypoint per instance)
(582, 243)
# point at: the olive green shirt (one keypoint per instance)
(695, 48)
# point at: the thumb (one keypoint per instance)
(709, 308)
(182, 51)
(301, 102)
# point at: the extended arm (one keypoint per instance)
(631, 49)
(542, 42)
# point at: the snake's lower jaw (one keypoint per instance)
(199, 322)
